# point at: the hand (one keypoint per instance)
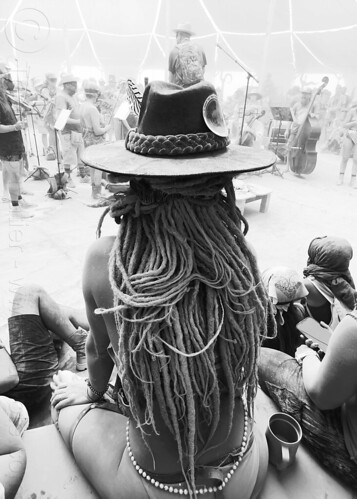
(303, 351)
(68, 389)
(20, 125)
(326, 326)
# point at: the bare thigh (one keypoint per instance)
(98, 447)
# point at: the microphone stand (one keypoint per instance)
(249, 76)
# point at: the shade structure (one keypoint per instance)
(120, 37)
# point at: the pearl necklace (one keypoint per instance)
(204, 490)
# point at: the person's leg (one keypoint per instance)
(354, 169)
(96, 182)
(15, 171)
(69, 156)
(68, 324)
(280, 377)
(346, 154)
(14, 178)
(44, 143)
(84, 171)
(52, 140)
(5, 182)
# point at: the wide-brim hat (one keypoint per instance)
(180, 132)
(68, 78)
(255, 91)
(184, 28)
(115, 158)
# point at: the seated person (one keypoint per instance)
(37, 327)
(13, 422)
(321, 395)
(174, 301)
(285, 290)
(328, 280)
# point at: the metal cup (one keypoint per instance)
(283, 435)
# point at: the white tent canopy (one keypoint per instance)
(281, 37)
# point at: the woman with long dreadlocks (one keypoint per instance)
(176, 305)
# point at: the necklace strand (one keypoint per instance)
(203, 490)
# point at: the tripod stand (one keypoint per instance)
(39, 169)
(279, 114)
(275, 170)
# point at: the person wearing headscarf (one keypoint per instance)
(328, 279)
(321, 395)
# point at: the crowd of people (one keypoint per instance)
(180, 326)
(91, 121)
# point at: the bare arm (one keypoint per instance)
(350, 122)
(95, 283)
(8, 374)
(333, 381)
(61, 104)
(12, 128)
(96, 126)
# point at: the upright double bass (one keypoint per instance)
(302, 155)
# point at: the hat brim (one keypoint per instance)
(255, 93)
(184, 31)
(115, 158)
(74, 80)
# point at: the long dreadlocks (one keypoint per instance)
(189, 306)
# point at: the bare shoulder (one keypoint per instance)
(97, 260)
(100, 249)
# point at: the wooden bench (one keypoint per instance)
(247, 193)
(305, 478)
(52, 473)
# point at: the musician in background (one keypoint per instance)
(12, 148)
(94, 130)
(253, 129)
(48, 93)
(349, 146)
(187, 60)
(71, 135)
(299, 111)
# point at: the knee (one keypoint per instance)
(13, 478)
(25, 295)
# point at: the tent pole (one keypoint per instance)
(167, 41)
(270, 17)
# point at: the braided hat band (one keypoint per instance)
(174, 145)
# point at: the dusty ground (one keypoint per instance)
(49, 248)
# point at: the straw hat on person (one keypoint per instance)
(50, 76)
(180, 132)
(306, 90)
(91, 87)
(68, 78)
(184, 28)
